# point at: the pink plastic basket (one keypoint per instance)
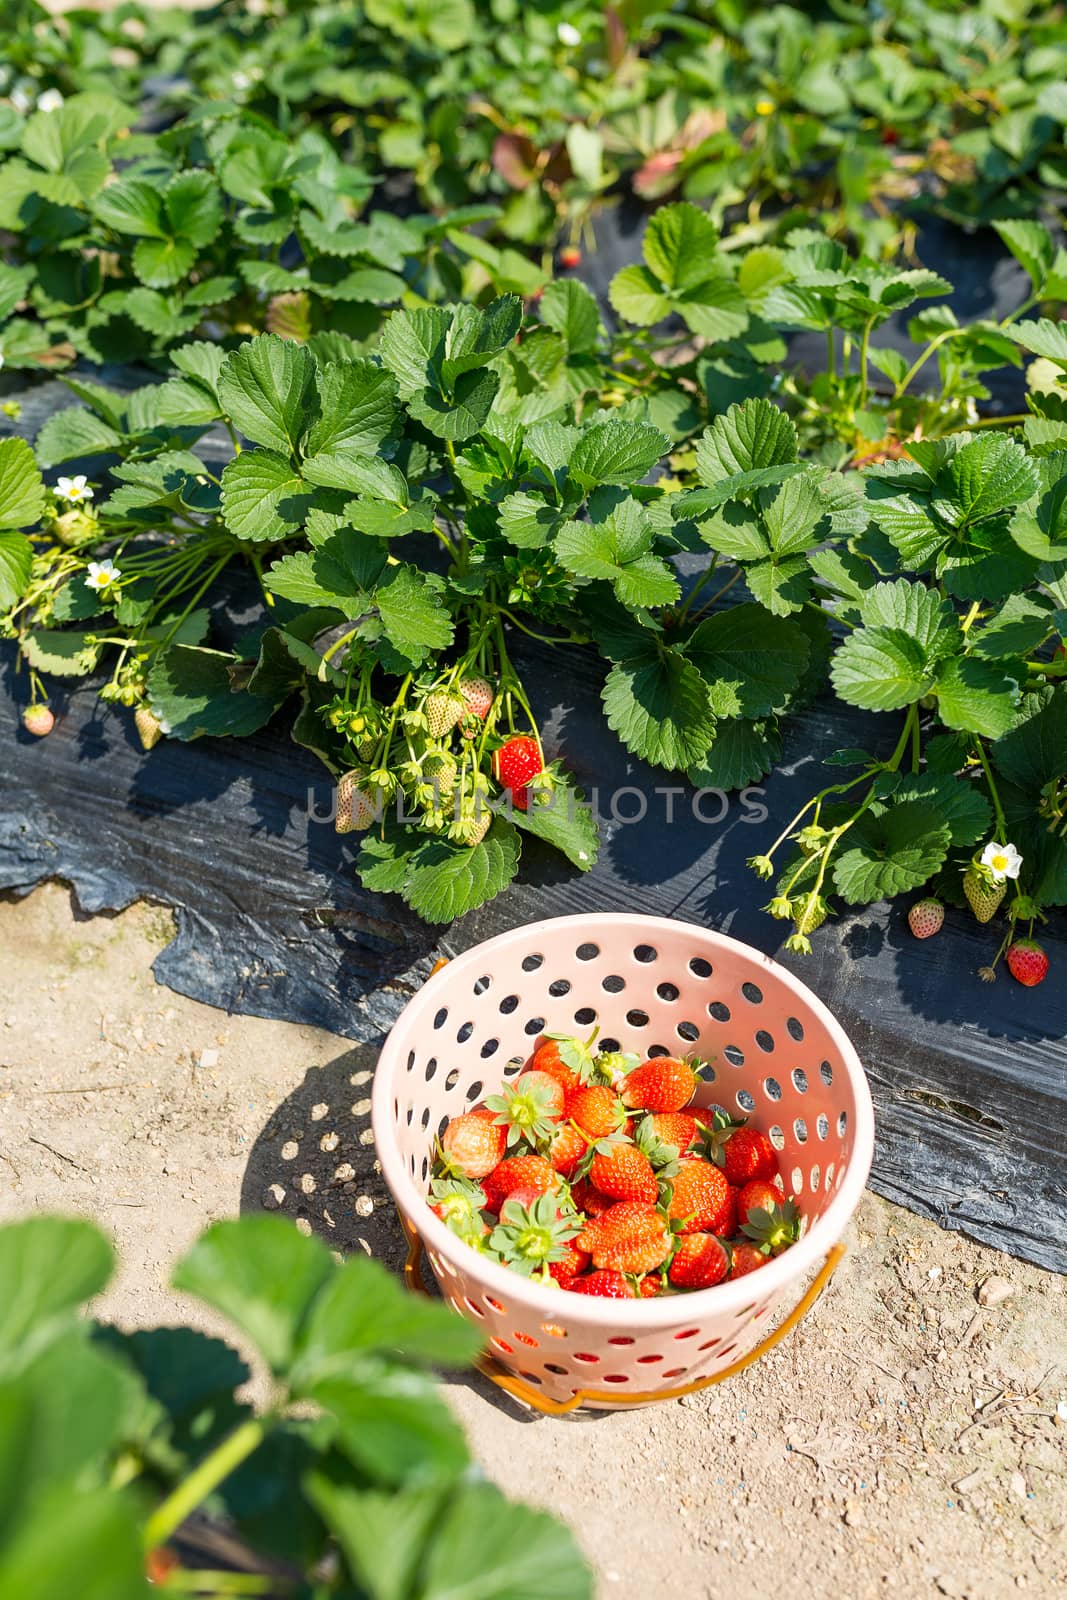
(653, 985)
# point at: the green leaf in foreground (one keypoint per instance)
(750, 660)
(741, 752)
(22, 492)
(49, 1267)
(659, 706)
(16, 563)
(889, 850)
(445, 881)
(190, 692)
(563, 818)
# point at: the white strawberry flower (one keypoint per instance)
(568, 34)
(241, 81)
(1003, 861)
(72, 490)
(102, 574)
(51, 100)
(21, 99)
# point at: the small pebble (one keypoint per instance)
(273, 1197)
(329, 1141)
(303, 1226)
(994, 1291)
(319, 1111)
(365, 1205)
(290, 1150)
(345, 1173)
(307, 1183)
(208, 1059)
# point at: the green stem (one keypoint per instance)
(182, 1581)
(868, 327)
(920, 361)
(204, 1480)
(998, 809)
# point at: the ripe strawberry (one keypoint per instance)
(759, 1195)
(160, 1563)
(597, 1110)
(650, 1286)
(664, 1084)
(570, 1264)
(724, 1221)
(698, 1194)
(38, 720)
(570, 257)
(699, 1261)
(356, 810)
(1027, 962)
(623, 1171)
(567, 1059)
(746, 1258)
(983, 895)
(567, 1149)
(925, 918)
(631, 1237)
(889, 135)
(518, 1172)
(590, 1200)
(473, 1144)
(749, 1154)
(477, 696)
(442, 711)
(608, 1285)
(675, 1128)
(529, 1108)
(149, 727)
(515, 764)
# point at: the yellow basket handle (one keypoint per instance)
(529, 1395)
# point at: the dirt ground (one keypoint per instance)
(907, 1440)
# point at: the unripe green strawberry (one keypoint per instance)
(38, 720)
(925, 917)
(812, 915)
(442, 711)
(356, 809)
(983, 895)
(470, 827)
(439, 771)
(477, 695)
(148, 726)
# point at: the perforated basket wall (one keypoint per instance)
(654, 986)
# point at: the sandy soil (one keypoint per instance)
(908, 1440)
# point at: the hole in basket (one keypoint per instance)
(410, 1115)
(621, 1339)
(637, 1019)
(796, 1182)
(822, 1125)
(777, 1137)
(475, 1090)
(609, 1045)
(730, 1348)
(794, 1028)
(585, 1016)
(464, 1033)
(493, 1304)
(668, 991)
(647, 1361)
(700, 968)
(452, 1079)
(515, 1065)
(706, 1072)
(687, 1333)
(411, 1059)
(425, 1168)
(734, 1055)
(765, 1040)
(826, 1072)
(553, 1330)
(441, 1018)
(613, 983)
(674, 1372)
(772, 1088)
(559, 987)
(752, 993)
(590, 1361)
(800, 1080)
(425, 1117)
(535, 1025)
(745, 1100)
(615, 1377)
(508, 1004)
(442, 1125)
(719, 1011)
(829, 1175)
(483, 983)
(477, 1310)
(587, 952)
(524, 1338)
(688, 1031)
(709, 1344)
(502, 1344)
(490, 1048)
(800, 1128)
(657, 1050)
(814, 1178)
(645, 953)
(842, 1124)
(553, 1366)
(531, 962)
(531, 1377)
(396, 1110)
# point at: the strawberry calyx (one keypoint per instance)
(528, 1238)
(528, 1110)
(773, 1229)
(714, 1136)
(664, 1157)
(612, 1066)
(573, 1052)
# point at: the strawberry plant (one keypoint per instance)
(125, 1435)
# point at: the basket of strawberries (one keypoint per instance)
(623, 1142)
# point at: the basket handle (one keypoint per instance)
(490, 1368)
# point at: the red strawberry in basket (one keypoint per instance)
(590, 1200)
(569, 1266)
(742, 1152)
(568, 1147)
(673, 1128)
(746, 1257)
(608, 1285)
(620, 1169)
(700, 1197)
(473, 1144)
(666, 1083)
(699, 1261)
(532, 1234)
(518, 1172)
(564, 1058)
(597, 1110)
(759, 1195)
(631, 1237)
